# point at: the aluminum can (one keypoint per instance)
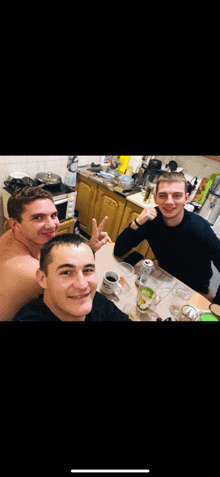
(146, 267)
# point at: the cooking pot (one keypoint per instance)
(48, 178)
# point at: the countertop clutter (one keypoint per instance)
(136, 198)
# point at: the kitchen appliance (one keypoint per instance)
(210, 209)
(64, 197)
(172, 166)
(152, 171)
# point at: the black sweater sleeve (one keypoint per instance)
(129, 239)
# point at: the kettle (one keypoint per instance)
(210, 209)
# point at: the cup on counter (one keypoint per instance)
(110, 284)
(189, 313)
(147, 296)
(132, 312)
(180, 298)
(126, 273)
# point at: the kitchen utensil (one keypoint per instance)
(210, 209)
(48, 178)
(172, 166)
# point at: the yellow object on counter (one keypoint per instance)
(124, 162)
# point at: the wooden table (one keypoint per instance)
(105, 260)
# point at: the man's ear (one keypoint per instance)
(187, 197)
(41, 278)
(13, 224)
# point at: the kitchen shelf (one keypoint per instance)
(215, 158)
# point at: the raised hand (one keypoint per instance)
(99, 238)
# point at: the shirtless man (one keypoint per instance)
(33, 219)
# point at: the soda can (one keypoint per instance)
(147, 267)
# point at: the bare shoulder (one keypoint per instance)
(18, 284)
(10, 248)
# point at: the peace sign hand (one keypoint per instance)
(99, 238)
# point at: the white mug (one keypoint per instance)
(111, 283)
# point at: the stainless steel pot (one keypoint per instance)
(48, 178)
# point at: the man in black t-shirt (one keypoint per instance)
(183, 243)
(67, 276)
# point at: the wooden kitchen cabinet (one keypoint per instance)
(95, 201)
(131, 212)
(111, 204)
(66, 227)
(85, 202)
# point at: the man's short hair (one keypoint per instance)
(24, 196)
(172, 177)
(65, 239)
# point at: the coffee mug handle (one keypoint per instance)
(120, 287)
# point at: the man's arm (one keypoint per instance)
(133, 235)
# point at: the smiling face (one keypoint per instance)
(39, 221)
(71, 282)
(171, 199)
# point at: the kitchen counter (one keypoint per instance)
(138, 199)
(100, 180)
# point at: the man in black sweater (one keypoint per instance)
(183, 243)
(69, 281)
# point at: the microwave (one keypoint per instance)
(64, 198)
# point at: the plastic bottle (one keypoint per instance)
(71, 173)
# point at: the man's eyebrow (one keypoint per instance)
(69, 265)
(175, 192)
